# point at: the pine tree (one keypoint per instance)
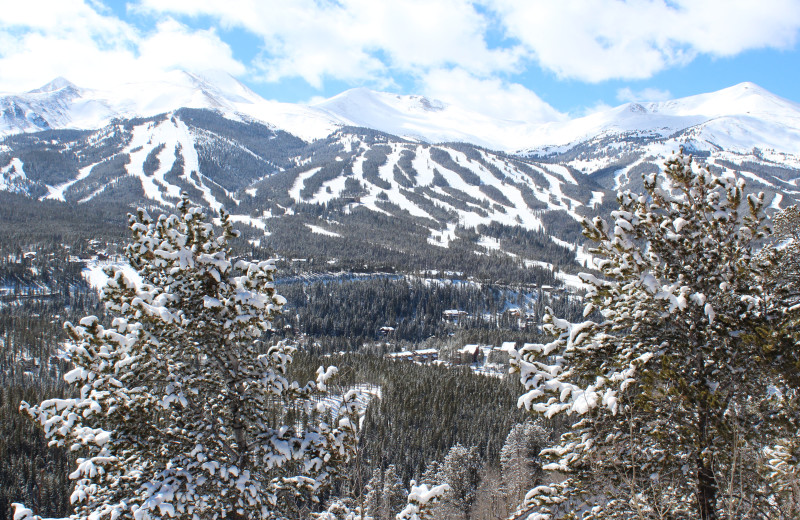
(668, 384)
(373, 493)
(182, 407)
(519, 458)
(460, 471)
(422, 501)
(782, 456)
(394, 494)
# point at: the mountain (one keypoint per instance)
(360, 196)
(356, 178)
(419, 118)
(62, 105)
(738, 118)
(743, 129)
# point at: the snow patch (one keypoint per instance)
(322, 231)
(12, 177)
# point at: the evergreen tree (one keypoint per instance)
(668, 389)
(384, 494)
(183, 410)
(394, 494)
(422, 501)
(519, 458)
(460, 471)
(431, 474)
(782, 467)
(373, 493)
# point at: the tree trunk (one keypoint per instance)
(706, 482)
(706, 491)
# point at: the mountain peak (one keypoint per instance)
(53, 86)
(748, 85)
(364, 95)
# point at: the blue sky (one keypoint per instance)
(537, 60)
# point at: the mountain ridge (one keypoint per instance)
(386, 189)
(741, 117)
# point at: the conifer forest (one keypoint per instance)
(206, 377)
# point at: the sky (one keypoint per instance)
(533, 60)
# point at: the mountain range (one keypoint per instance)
(738, 118)
(377, 177)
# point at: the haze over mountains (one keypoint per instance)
(375, 175)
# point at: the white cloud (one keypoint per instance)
(492, 96)
(597, 107)
(173, 45)
(370, 42)
(647, 94)
(355, 40)
(42, 40)
(596, 40)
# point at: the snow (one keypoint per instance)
(570, 280)
(597, 199)
(365, 393)
(143, 137)
(562, 171)
(395, 192)
(490, 243)
(322, 231)
(299, 183)
(255, 222)
(329, 190)
(420, 498)
(419, 119)
(444, 237)
(776, 202)
(739, 117)
(422, 164)
(12, 176)
(94, 275)
(581, 256)
(171, 134)
(57, 192)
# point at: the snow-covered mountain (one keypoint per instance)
(744, 129)
(737, 119)
(62, 105)
(420, 119)
(357, 192)
(358, 174)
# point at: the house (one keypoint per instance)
(453, 315)
(385, 331)
(424, 356)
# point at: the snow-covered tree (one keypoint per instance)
(460, 470)
(782, 455)
(373, 493)
(339, 509)
(384, 493)
(668, 383)
(181, 402)
(431, 474)
(421, 501)
(394, 493)
(519, 458)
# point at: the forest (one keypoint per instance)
(42, 287)
(668, 390)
